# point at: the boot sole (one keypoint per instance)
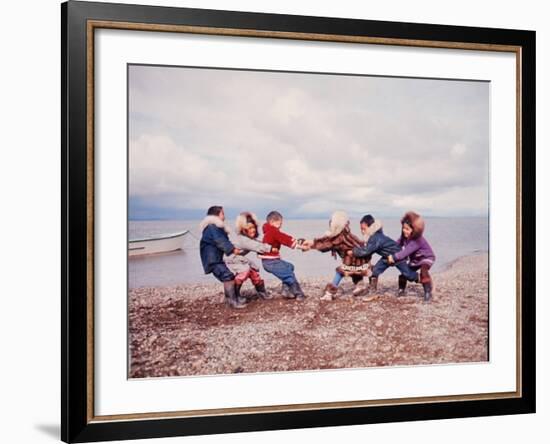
(370, 298)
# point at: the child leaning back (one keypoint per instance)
(417, 250)
(214, 243)
(272, 261)
(245, 239)
(377, 242)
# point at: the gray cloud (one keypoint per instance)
(306, 143)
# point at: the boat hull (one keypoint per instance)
(166, 244)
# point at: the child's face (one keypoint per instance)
(407, 231)
(222, 215)
(364, 228)
(251, 231)
(276, 223)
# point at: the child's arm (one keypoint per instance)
(365, 251)
(411, 247)
(245, 243)
(286, 239)
(322, 244)
(222, 243)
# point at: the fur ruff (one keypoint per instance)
(240, 222)
(213, 220)
(377, 225)
(338, 222)
(417, 223)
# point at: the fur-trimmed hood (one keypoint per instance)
(416, 222)
(240, 222)
(213, 220)
(376, 226)
(338, 222)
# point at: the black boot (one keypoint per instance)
(240, 298)
(373, 284)
(402, 284)
(231, 297)
(285, 292)
(262, 292)
(427, 292)
(296, 290)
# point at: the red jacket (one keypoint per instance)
(275, 237)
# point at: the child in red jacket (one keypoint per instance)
(272, 261)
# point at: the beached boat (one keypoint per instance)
(156, 245)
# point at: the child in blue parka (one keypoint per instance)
(377, 242)
(214, 244)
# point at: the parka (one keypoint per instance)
(377, 243)
(214, 242)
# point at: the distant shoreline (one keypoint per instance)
(444, 267)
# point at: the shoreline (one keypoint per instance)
(187, 329)
(269, 279)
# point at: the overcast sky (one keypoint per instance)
(304, 144)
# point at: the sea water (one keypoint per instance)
(450, 239)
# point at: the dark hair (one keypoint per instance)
(214, 211)
(368, 220)
(251, 220)
(274, 216)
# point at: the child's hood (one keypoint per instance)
(417, 223)
(338, 222)
(213, 220)
(375, 227)
(240, 222)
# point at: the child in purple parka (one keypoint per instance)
(418, 251)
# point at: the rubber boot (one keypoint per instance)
(402, 284)
(427, 292)
(329, 292)
(262, 292)
(286, 293)
(240, 298)
(360, 288)
(231, 298)
(373, 284)
(296, 290)
(426, 281)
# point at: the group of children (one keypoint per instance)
(226, 254)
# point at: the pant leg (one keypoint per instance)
(380, 267)
(255, 277)
(242, 276)
(425, 277)
(222, 273)
(282, 269)
(407, 271)
(337, 279)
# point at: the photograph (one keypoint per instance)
(285, 221)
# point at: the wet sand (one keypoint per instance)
(188, 330)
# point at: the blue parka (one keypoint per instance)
(377, 243)
(214, 243)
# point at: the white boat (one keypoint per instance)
(156, 245)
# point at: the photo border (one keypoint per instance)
(79, 21)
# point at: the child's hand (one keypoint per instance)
(236, 251)
(390, 260)
(349, 253)
(274, 250)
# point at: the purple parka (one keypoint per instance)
(417, 250)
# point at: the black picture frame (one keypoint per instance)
(78, 423)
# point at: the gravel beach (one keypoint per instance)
(187, 330)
